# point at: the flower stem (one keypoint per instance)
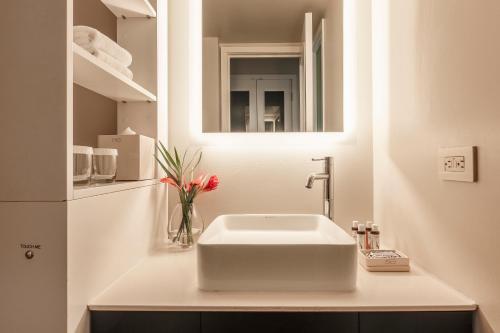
(186, 226)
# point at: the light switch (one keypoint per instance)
(458, 163)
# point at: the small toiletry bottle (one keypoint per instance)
(361, 236)
(375, 237)
(367, 235)
(354, 229)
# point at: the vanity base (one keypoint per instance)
(277, 322)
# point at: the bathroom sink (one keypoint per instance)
(276, 253)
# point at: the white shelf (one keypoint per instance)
(130, 8)
(94, 74)
(80, 192)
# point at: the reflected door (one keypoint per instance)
(243, 106)
(274, 105)
(261, 105)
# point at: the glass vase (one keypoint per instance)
(184, 226)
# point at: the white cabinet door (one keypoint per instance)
(33, 289)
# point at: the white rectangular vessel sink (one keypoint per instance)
(276, 253)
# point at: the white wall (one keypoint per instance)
(271, 178)
(436, 83)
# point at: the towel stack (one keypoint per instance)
(103, 48)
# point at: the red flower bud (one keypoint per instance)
(212, 184)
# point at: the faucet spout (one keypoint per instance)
(316, 176)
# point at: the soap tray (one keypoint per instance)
(384, 261)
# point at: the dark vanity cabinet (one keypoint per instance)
(280, 322)
(144, 322)
(415, 322)
(271, 322)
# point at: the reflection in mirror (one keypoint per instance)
(272, 66)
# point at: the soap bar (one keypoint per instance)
(135, 155)
(384, 261)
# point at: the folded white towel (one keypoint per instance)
(83, 35)
(109, 60)
(112, 62)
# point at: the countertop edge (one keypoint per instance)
(166, 308)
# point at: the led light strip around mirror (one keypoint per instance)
(271, 139)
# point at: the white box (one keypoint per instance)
(396, 262)
(135, 155)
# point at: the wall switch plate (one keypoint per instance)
(458, 164)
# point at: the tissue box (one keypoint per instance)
(135, 155)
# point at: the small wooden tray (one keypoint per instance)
(384, 261)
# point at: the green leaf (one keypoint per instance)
(199, 160)
(167, 162)
(184, 155)
(162, 150)
(175, 167)
(161, 164)
(170, 167)
(171, 161)
(177, 159)
(169, 174)
(187, 167)
(167, 166)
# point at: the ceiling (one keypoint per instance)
(259, 21)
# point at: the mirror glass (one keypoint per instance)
(272, 66)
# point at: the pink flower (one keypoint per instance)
(212, 184)
(169, 181)
(194, 183)
(198, 181)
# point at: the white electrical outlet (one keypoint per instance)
(458, 163)
(454, 163)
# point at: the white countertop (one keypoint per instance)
(167, 282)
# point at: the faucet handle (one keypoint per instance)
(327, 159)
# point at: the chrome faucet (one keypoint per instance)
(327, 177)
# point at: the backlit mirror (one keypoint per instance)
(272, 66)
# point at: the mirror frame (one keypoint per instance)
(195, 18)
